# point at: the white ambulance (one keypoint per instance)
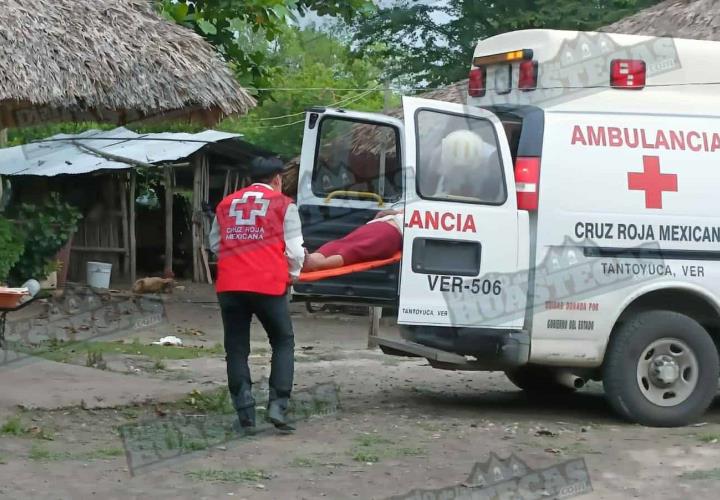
(563, 226)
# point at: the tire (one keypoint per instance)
(537, 380)
(630, 376)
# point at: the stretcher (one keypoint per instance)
(353, 268)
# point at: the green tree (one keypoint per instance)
(316, 69)
(433, 44)
(242, 29)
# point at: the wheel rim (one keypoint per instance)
(667, 372)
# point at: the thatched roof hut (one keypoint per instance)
(694, 19)
(103, 60)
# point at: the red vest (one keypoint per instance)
(252, 242)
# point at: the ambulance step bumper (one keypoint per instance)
(508, 352)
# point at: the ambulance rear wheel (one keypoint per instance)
(537, 380)
(661, 369)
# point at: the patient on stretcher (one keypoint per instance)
(379, 239)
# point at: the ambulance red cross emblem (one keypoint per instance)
(652, 182)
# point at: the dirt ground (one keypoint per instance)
(401, 425)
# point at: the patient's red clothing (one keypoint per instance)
(376, 241)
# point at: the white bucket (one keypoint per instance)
(98, 274)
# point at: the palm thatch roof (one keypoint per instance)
(104, 60)
(694, 19)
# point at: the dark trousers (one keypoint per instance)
(237, 309)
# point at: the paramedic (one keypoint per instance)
(257, 237)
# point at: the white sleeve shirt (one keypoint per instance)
(294, 251)
(214, 237)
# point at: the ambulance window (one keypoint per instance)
(357, 160)
(458, 159)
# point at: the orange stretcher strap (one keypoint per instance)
(353, 268)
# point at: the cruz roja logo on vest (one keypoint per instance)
(247, 212)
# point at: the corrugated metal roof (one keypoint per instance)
(62, 154)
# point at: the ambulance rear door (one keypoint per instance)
(461, 263)
(350, 168)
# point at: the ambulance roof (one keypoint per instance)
(574, 72)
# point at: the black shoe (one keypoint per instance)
(276, 416)
(244, 427)
(244, 405)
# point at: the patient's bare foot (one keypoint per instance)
(317, 262)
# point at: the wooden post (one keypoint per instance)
(3, 137)
(131, 228)
(227, 183)
(168, 271)
(196, 209)
(125, 224)
(204, 221)
(375, 314)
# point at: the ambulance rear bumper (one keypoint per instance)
(461, 349)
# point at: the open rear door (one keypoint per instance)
(461, 263)
(350, 168)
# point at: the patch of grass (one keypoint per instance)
(217, 401)
(13, 427)
(371, 448)
(64, 351)
(194, 446)
(228, 476)
(38, 452)
(702, 474)
(365, 456)
(159, 365)
(41, 453)
(103, 453)
(304, 462)
(367, 440)
(711, 437)
(95, 359)
(130, 412)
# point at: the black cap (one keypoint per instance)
(261, 168)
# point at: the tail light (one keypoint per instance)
(627, 74)
(527, 182)
(476, 83)
(528, 76)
